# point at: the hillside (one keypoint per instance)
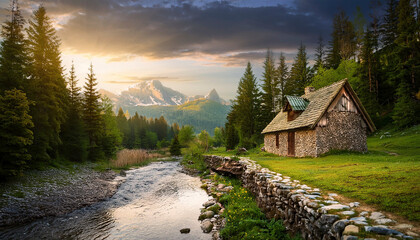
(203, 114)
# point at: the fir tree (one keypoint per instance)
(111, 136)
(282, 78)
(268, 108)
(92, 115)
(13, 52)
(15, 132)
(73, 133)
(247, 104)
(343, 42)
(405, 108)
(175, 148)
(46, 86)
(300, 74)
(390, 24)
(319, 55)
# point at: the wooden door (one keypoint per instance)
(291, 144)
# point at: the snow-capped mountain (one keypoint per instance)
(152, 93)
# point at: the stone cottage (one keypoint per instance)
(330, 118)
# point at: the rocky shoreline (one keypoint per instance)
(54, 192)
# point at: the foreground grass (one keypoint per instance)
(244, 220)
(388, 176)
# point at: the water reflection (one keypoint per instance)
(155, 202)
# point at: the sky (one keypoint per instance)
(191, 46)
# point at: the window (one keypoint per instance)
(277, 140)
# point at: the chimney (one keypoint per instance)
(309, 90)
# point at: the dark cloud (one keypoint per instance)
(125, 28)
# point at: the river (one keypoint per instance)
(154, 202)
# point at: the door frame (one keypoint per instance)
(291, 144)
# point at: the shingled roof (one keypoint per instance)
(319, 101)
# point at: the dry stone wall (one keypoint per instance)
(303, 209)
(305, 143)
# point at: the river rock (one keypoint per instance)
(347, 213)
(206, 226)
(123, 173)
(351, 229)
(384, 221)
(335, 207)
(185, 230)
(383, 231)
(206, 214)
(209, 203)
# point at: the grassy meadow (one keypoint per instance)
(388, 176)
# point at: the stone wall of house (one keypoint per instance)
(270, 143)
(305, 143)
(344, 131)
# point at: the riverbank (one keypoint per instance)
(54, 192)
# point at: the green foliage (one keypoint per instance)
(347, 69)
(13, 52)
(219, 137)
(343, 41)
(283, 83)
(268, 87)
(111, 136)
(175, 148)
(201, 114)
(300, 74)
(92, 116)
(406, 111)
(186, 135)
(193, 158)
(15, 132)
(244, 220)
(73, 133)
(204, 140)
(46, 86)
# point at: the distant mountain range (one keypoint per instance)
(152, 99)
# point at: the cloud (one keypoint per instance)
(121, 29)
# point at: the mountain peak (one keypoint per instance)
(213, 95)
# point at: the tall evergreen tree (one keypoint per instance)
(343, 41)
(282, 78)
(73, 132)
(268, 90)
(319, 55)
(300, 74)
(92, 115)
(15, 132)
(111, 136)
(46, 85)
(175, 148)
(389, 27)
(13, 54)
(248, 105)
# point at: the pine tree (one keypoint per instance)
(319, 54)
(405, 108)
(73, 133)
(111, 136)
(268, 108)
(46, 86)
(175, 148)
(92, 115)
(283, 76)
(15, 132)
(247, 104)
(343, 41)
(122, 124)
(13, 52)
(390, 24)
(300, 74)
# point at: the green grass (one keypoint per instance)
(244, 220)
(388, 176)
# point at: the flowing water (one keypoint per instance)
(154, 202)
